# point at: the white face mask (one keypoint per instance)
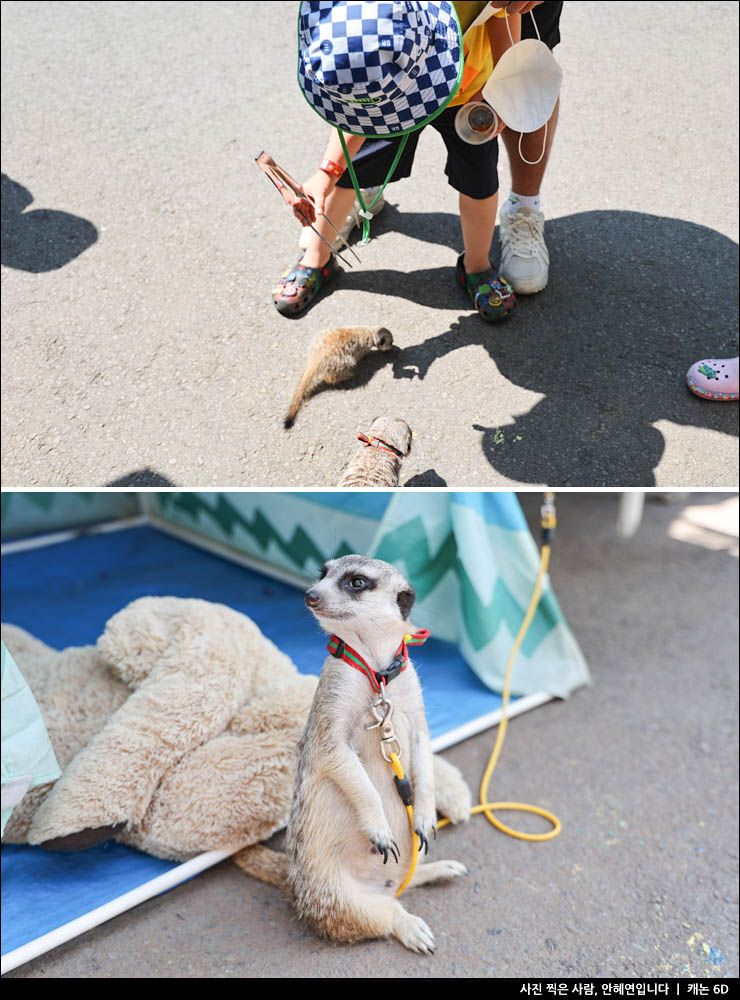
(524, 87)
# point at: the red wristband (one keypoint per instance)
(331, 168)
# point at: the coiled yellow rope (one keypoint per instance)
(486, 807)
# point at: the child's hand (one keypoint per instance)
(517, 8)
(317, 188)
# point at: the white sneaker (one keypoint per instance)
(353, 219)
(525, 261)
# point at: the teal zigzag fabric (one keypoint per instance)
(473, 564)
(469, 556)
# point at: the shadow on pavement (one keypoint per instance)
(428, 478)
(633, 300)
(142, 477)
(43, 239)
(442, 228)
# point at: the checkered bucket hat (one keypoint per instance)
(379, 69)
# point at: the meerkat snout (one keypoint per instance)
(312, 598)
(383, 339)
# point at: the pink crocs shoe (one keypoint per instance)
(714, 378)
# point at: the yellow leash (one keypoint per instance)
(486, 807)
(398, 771)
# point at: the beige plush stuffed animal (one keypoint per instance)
(177, 732)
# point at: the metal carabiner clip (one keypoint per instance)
(386, 748)
(382, 709)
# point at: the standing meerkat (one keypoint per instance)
(377, 461)
(333, 357)
(349, 841)
(347, 818)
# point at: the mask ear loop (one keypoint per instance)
(532, 163)
(536, 29)
(508, 28)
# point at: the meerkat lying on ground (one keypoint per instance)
(349, 839)
(377, 460)
(333, 357)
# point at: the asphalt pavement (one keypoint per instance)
(140, 343)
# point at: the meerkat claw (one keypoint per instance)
(382, 849)
(386, 849)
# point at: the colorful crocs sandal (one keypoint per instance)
(299, 286)
(492, 296)
(714, 379)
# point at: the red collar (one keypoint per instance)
(339, 649)
(375, 442)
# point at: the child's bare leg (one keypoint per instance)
(478, 220)
(526, 178)
(525, 261)
(338, 206)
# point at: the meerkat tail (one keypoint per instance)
(266, 865)
(305, 387)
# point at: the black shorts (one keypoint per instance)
(547, 16)
(471, 170)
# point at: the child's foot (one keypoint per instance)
(714, 379)
(300, 285)
(493, 297)
(525, 261)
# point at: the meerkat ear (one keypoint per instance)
(406, 600)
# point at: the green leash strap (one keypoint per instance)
(365, 209)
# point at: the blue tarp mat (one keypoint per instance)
(64, 594)
(42, 890)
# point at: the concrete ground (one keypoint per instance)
(641, 767)
(141, 244)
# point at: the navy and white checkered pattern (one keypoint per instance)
(378, 69)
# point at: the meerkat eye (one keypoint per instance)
(324, 570)
(357, 582)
